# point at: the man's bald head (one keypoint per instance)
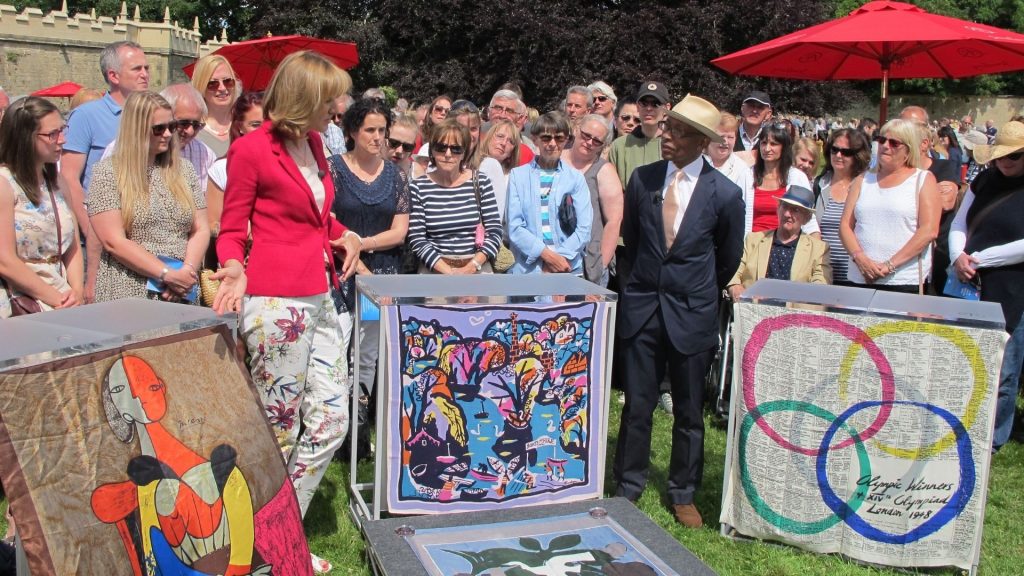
(914, 114)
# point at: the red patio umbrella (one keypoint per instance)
(63, 90)
(883, 40)
(254, 61)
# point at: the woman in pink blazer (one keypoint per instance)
(280, 192)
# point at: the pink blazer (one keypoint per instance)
(289, 234)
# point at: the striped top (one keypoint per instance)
(443, 220)
(547, 179)
(829, 224)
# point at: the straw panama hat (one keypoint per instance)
(699, 113)
(1009, 139)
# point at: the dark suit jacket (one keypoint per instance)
(683, 283)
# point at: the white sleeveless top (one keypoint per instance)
(886, 219)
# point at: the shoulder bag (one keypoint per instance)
(23, 304)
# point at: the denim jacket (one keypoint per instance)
(523, 216)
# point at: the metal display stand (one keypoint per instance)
(802, 297)
(390, 291)
(28, 341)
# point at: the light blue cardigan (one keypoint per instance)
(523, 216)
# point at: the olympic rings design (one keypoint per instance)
(946, 513)
(762, 507)
(967, 347)
(759, 338)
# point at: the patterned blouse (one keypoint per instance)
(35, 237)
(162, 228)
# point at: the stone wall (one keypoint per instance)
(999, 109)
(39, 50)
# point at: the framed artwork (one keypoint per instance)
(494, 405)
(151, 459)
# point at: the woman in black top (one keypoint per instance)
(987, 242)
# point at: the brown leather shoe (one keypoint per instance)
(687, 515)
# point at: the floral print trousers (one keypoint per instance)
(297, 363)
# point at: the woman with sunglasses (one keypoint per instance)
(891, 216)
(401, 142)
(538, 194)
(773, 173)
(215, 79)
(39, 252)
(437, 112)
(147, 209)
(496, 156)
(848, 155)
(627, 117)
(987, 244)
(454, 227)
(371, 199)
(593, 135)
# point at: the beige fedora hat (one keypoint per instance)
(1009, 139)
(699, 113)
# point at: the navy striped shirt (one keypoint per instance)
(443, 220)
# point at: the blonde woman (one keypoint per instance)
(891, 216)
(279, 185)
(805, 157)
(215, 79)
(147, 209)
(497, 155)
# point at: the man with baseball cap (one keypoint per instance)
(785, 253)
(683, 231)
(643, 146)
(755, 111)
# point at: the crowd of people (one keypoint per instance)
(289, 193)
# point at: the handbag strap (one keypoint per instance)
(60, 236)
(476, 193)
(980, 216)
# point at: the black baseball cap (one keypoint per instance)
(760, 97)
(654, 89)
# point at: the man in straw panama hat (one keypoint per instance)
(683, 231)
(985, 243)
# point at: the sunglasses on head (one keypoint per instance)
(159, 129)
(406, 146)
(228, 83)
(847, 152)
(441, 148)
(195, 125)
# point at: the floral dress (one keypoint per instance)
(35, 236)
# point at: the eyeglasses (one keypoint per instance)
(441, 109)
(53, 135)
(441, 148)
(846, 152)
(159, 129)
(892, 142)
(406, 146)
(337, 117)
(629, 118)
(601, 98)
(1012, 157)
(496, 109)
(195, 125)
(559, 138)
(591, 138)
(676, 132)
(227, 83)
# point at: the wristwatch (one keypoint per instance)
(478, 265)
(163, 273)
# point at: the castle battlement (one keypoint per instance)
(40, 49)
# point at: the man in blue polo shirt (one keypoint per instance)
(91, 127)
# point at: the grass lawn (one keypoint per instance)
(332, 534)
